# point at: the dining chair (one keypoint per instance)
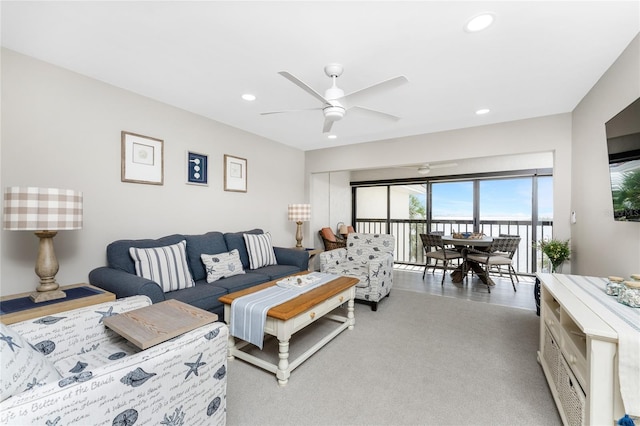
(500, 253)
(510, 253)
(435, 249)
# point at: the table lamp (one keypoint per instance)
(45, 211)
(299, 213)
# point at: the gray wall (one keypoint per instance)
(61, 129)
(600, 245)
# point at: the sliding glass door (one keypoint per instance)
(506, 208)
(452, 207)
(491, 204)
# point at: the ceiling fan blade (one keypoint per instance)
(327, 126)
(291, 110)
(373, 112)
(304, 86)
(354, 97)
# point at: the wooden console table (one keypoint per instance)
(580, 348)
(88, 295)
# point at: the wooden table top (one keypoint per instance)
(157, 323)
(472, 242)
(301, 303)
(55, 306)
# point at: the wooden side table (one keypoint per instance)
(313, 252)
(22, 308)
(157, 323)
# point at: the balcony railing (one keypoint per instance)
(409, 250)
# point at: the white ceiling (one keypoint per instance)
(539, 57)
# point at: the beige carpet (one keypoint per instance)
(418, 360)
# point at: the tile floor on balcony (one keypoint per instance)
(408, 277)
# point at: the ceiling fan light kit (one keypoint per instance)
(333, 112)
(335, 103)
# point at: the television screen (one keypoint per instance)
(623, 144)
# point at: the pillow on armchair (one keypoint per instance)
(23, 367)
(327, 234)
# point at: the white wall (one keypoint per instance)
(602, 246)
(461, 166)
(61, 129)
(330, 196)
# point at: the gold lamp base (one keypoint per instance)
(299, 234)
(44, 296)
(47, 268)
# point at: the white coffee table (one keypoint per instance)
(284, 320)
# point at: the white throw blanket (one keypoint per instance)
(625, 321)
(249, 313)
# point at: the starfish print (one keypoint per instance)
(9, 341)
(106, 314)
(193, 366)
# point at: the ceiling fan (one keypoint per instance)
(425, 168)
(335, 103)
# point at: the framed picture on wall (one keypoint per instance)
(197, 168)
(235, 174)
(142, 159)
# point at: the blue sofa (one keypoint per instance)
(120, 278)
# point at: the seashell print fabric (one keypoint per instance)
(368, 257)
(108, 381)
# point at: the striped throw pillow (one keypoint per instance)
(260, 250)
(165, 265)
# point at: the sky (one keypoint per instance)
(499, 199)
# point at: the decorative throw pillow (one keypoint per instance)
(327, 234)
(222, 265)
(23, 367)
(165, 265)
(260, 250)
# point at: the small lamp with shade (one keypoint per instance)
(299, 213)
(45, 211)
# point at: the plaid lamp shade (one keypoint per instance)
(299, 212)
(42, 209)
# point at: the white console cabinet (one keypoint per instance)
(578, 353)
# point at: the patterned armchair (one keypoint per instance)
(368, 257)
(69, 368)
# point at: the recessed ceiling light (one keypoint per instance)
(332, 137)
(479, 22)
(249, 97)
(483, 111)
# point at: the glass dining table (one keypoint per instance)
(464, 244)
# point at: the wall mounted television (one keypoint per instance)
(623, 145)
